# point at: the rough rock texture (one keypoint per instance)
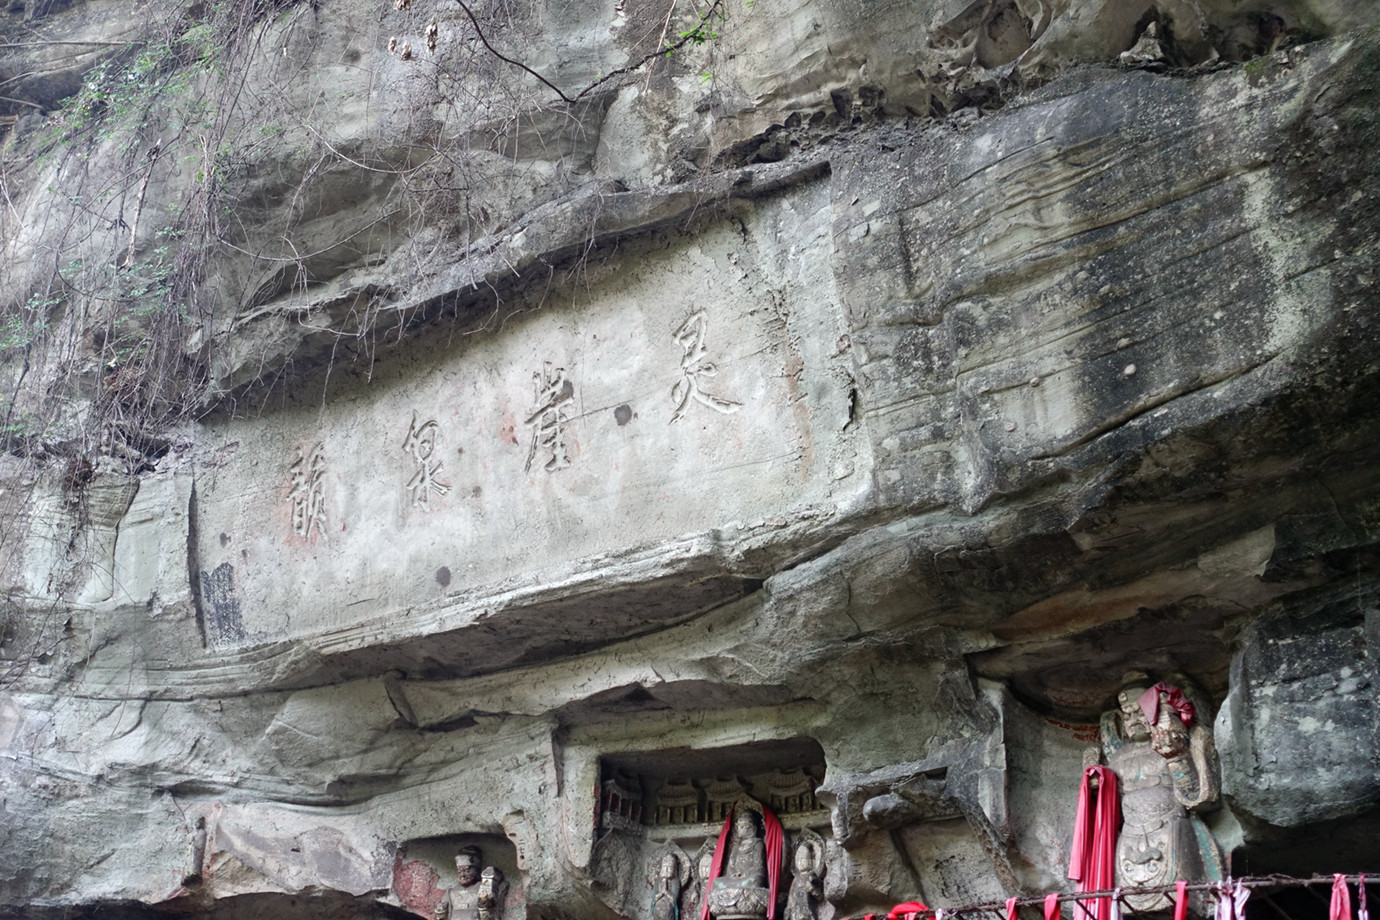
(400, 458)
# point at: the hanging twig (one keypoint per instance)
(686, 37)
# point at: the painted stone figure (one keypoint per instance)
(477, 895)
(668, 881)
(741, 893)
(1162, 752)
(693, 894)
(493, 891)
(807, 887)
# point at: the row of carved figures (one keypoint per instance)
(1138, 823)
(1137, 827)
(737, 875)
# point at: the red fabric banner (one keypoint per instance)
(1181, 900)
(1150, 703)
(1052, 906)
(1092, 860)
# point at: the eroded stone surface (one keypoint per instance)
(732, 427)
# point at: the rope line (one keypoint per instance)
(1250, 881)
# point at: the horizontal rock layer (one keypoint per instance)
(769, 430)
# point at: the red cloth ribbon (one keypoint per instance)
(1011, 912)
(1181, 900)
(1092, 860)
(910, 910)
(1150, 703)
(1052, 906)
(775, 844)
(1340, 909)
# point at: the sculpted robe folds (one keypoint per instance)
(1166, 772)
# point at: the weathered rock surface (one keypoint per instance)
(837, 429)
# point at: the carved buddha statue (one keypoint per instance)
(669, 877)
(741, 892)
(807, 886)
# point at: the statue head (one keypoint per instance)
(467, 863)
(706, 861)
(744, 824)
(804, 858)
(669, 867)
(1128, 701)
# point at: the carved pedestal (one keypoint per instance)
(730, 899)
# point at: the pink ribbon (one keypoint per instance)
(1340, 909)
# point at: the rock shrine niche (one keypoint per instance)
(459, 877)
(661, 813)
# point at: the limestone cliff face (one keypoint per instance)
(406, 449)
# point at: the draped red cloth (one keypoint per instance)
(1011, 912)
(1052, 906)
(1150, 703)
(1181, 900)
(910, 910)
(1092, 861)
(775, 841)
(1340, 908)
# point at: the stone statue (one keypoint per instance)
(493, 891)
(807, 887)
(1167, 767)
(693, 894)
(669, 880)
(477, 895)
(741, 893)
(196, 852)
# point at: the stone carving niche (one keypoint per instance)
(425, 869)
(660, 813)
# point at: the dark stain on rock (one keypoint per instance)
(221, 621)
(443, 576)
(622, 415)
(225, 539)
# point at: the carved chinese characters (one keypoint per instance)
(421, 444)
(547, 419)
(549, 444)
(308, 492)
(694, 365)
